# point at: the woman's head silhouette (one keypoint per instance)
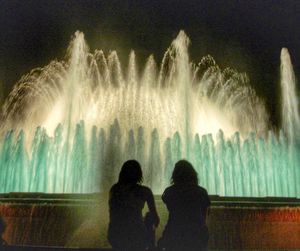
(131, 173)
(184, 173)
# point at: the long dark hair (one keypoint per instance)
(131, 173)
(184, 173)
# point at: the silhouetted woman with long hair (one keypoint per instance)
(188, 205)
(127, 230)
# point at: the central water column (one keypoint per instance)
(182, 78)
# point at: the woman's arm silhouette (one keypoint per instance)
(152, 209)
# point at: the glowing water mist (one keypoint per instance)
(74, 122)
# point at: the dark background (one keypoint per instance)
(245, 35)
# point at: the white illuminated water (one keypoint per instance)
(70, 125)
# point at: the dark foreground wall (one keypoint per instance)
(81, 221)
(261, 224)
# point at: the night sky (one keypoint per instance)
(245, 35)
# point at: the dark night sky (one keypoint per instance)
(246, 35)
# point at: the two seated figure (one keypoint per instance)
(187, 203)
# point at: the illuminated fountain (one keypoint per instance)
(70, 125)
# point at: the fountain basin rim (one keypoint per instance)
(98, 198)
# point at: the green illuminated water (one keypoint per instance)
(232, 167)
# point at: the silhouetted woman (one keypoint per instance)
(127, 230)
(188, 205)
